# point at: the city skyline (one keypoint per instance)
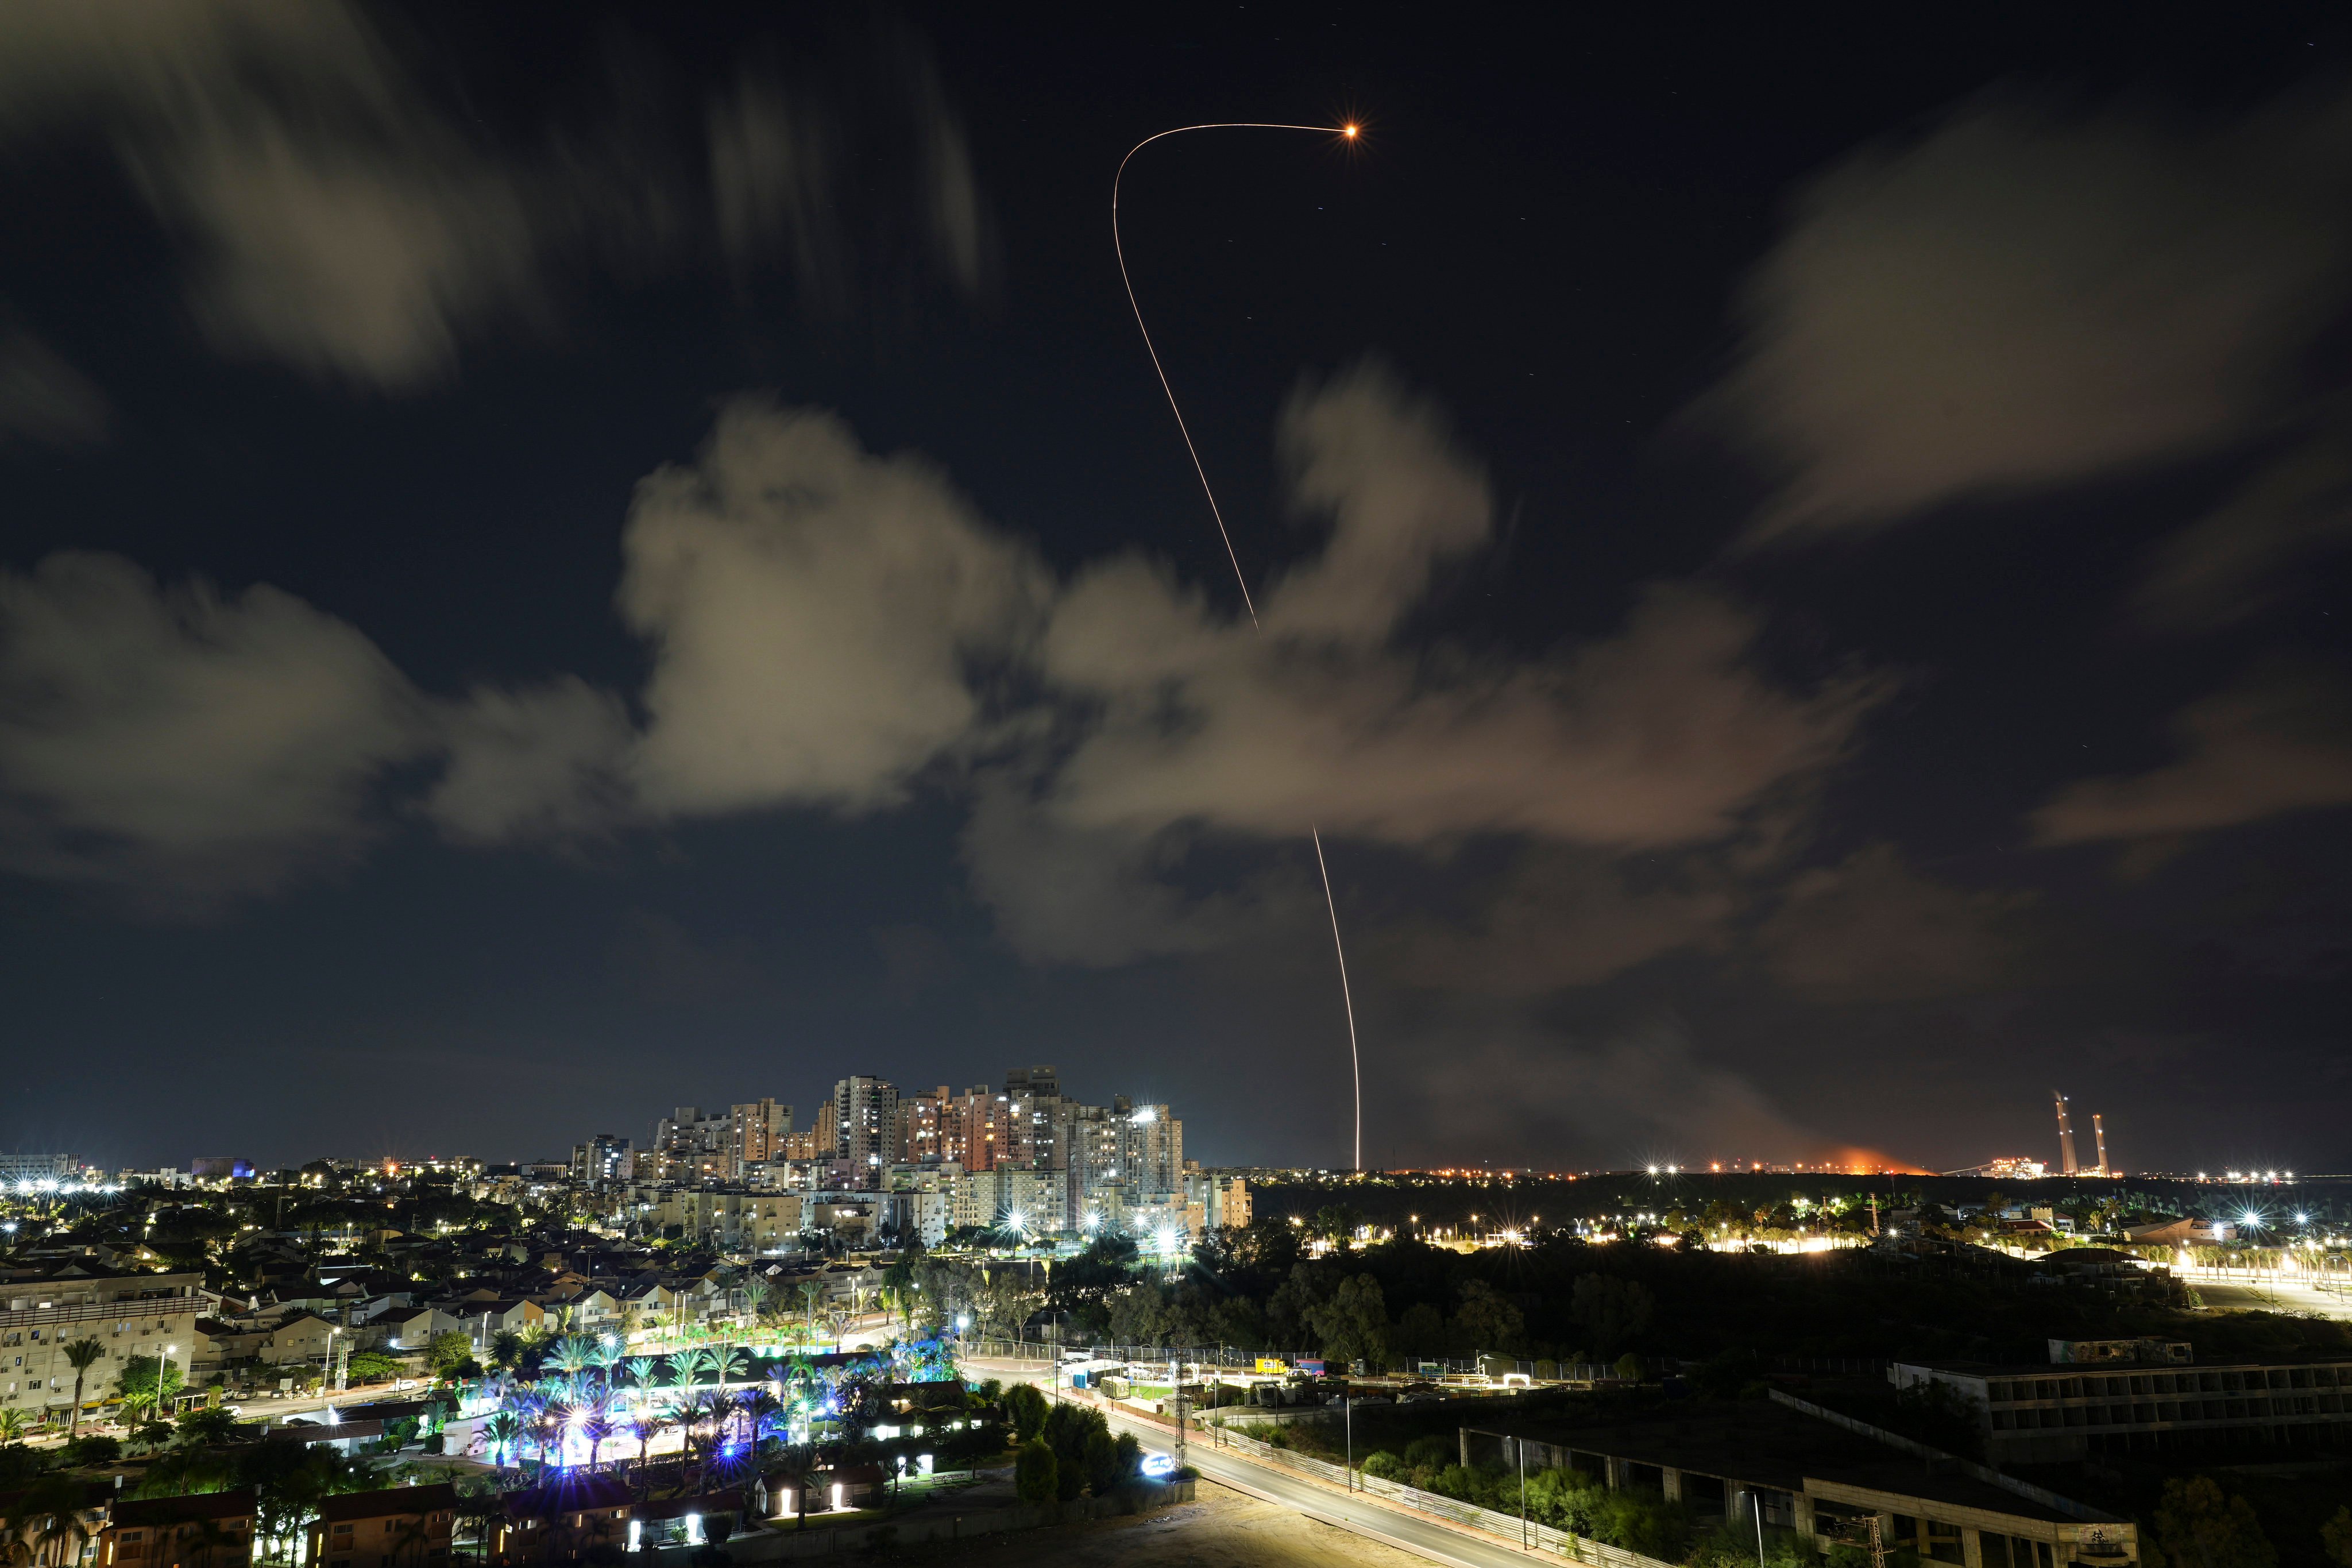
(1785, 576)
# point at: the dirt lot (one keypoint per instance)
(1220, 1529)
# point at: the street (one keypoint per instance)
(1423, 1537)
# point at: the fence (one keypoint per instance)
(1935, 1455)
(1540, 1537)
(817, 1540)
(1227, 1358)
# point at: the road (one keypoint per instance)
(1421, 1537)
(2264, 1293)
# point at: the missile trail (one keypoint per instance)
(1338, 948)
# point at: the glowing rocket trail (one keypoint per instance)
(1346, 999)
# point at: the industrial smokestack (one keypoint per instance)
(2066, 1161)
(2099, 1131)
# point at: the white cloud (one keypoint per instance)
(181, 743)
(543, 763)
(1664, 733)
(816, 614)
(2275, 743)
(2023, 297)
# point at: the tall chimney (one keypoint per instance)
(2099, 1131)
(2066, 1161)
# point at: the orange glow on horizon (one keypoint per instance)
(1870, 1162)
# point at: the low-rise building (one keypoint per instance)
(130, 1315)
(2037, 1415)
(399, 1525)
(1774, 1467)
(203, 1530)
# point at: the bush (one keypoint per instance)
(1430, 1453)
(94, 1449)
(1036, 1475)
(1025, 1409)
(1383, 1465)
(1563, 1499)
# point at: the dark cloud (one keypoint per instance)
(2236, 560)
(1638, 1097)
(1872, 929)
(2275, 743)
(2024, 296)
(342, 221)
(43, 398)
(181, 744)
(1557, 918)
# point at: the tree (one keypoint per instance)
(1486, 1322)
(47, 1515)
(2336, 1538)
(210, 1426)
(1617, 1311)
(14, 1424)
(1081, 1442)
(1354, 1325)
(81, 1354)
(147, 1381)
(1035, 1474)
(2196, 1527)
(1025, 1408)
(450, 1353)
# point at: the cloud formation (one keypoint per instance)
(816, 614)
(45, 399)
(2277, 742)
(184, 744)
(342, 221)
(2024, 296)
(1872, 929)
(2235, 561)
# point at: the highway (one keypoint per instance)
(1407, 1532)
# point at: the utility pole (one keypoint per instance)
(1177, 1367)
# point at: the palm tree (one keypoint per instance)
(763, 1412)
(82, 1355)
(641, 1371)
(684, 1365)
(728, 1361)
(500, 1431)
(410, 1536)
(649, 1424)
(756, 1290)
(811, 1290)
(573, 1353)
(14, 1424)
(596, 1424)
(50, 1512)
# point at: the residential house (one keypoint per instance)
(561, 1520)
(203, 1530)
(302, 1338)
(389, 1529)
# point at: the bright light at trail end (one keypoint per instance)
(1346, 130)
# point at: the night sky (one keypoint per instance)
(564, 561)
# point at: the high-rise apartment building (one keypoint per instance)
(600, 1161)
(756, 1131)
(923, 1126)
(864, 1127)
(975, 1128)
(1153, 1153)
